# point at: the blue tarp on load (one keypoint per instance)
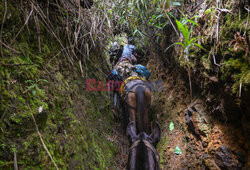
(142, 71)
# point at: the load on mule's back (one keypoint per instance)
(124, 59)
(115, 53)
(135, 91)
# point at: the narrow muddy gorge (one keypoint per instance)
(197, 53)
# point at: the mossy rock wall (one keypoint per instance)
(74, 123)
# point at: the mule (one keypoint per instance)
(142, 153)
(137, 98)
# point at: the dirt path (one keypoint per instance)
(122, 143)
(123, 149)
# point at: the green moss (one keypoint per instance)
(162, 147)
(70, 123)
(206, 62)
(236, 64)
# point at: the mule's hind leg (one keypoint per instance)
(147, 117)
(131, 106)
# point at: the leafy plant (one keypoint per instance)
(240, 43)
(188, 43)
(34, 85)
(134, 14)
(155, 21)
(13, 148)
(186, 32)
(3, 145)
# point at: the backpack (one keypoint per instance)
(142, 71)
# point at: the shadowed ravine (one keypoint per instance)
(197, 52)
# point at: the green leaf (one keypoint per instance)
(157, 26)
(121, 21)
(76, 20)
(171, 126)
(28, 81)
(183, 29)
(172, 15)
(186, 34)
(193, 22)
(193, 39)
(32, 86)
(153, 16)
(44, 80)
(179, 43)
(208, 11)
(198, 45)
(159, 16)
(34, 92)
(137, 31)
(179, 25)
(183, 21)
(177, 150)
(176, 3)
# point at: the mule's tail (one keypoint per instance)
(140, 109)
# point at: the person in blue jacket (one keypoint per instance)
(129, 51)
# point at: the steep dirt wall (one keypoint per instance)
(205, 141)
(212, 126)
